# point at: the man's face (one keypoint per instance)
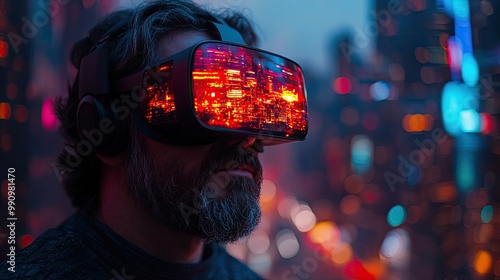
(208, 191)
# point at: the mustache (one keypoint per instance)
(231, 159)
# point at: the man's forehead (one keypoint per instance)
(180, 40)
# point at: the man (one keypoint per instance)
(156, 191)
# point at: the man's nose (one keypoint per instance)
(243, 142)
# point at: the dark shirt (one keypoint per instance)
(84, 248)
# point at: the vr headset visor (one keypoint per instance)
(217, 88)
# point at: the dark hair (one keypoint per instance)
(140, 30)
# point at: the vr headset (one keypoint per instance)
(213, 89)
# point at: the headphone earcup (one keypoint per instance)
(100, 127)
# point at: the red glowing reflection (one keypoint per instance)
(160, 98)
(244, 89)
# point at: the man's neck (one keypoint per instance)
(121, 212)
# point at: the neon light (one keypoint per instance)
(456, 98)
(454, 56)
(470, 70)
(49, 119)
(486, 123)
(470, 121)
(462, 24)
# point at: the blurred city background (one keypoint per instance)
(398, 178)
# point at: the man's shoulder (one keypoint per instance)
(233, 268)
(47, 258)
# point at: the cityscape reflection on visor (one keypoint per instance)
(231, 89)
(239, 88)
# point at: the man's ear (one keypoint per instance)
(113, 161)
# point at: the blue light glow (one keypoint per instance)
(470, 70)
(380, 90)
(459, 108)
(465, 172)
(396, 216)
(470, 121)
(451, 107)
(487, 214)
(461, 9)
(361, 154)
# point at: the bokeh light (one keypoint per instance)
(396, 216)
(350, 204)
(49, 119)
(470, 121)
(361, 154)
(399, 83)
(258, 242)
(325, 233)
(470, 70)
(5, 111)
(288, 245)
(303, 217)
(267, 191)
(482, 262)
(380, 90)
(26, 240)
(4, 48)
(487, 214)
(341, 254)
(342, 85)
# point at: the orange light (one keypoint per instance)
(341, 254)
(4, 111)
(375, 267)
(443, 192)
(325, 233)
(290, 96)
(406, 123)
(417, 122)
(160, 99)
(482, 262)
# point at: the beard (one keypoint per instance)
(207, 204)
